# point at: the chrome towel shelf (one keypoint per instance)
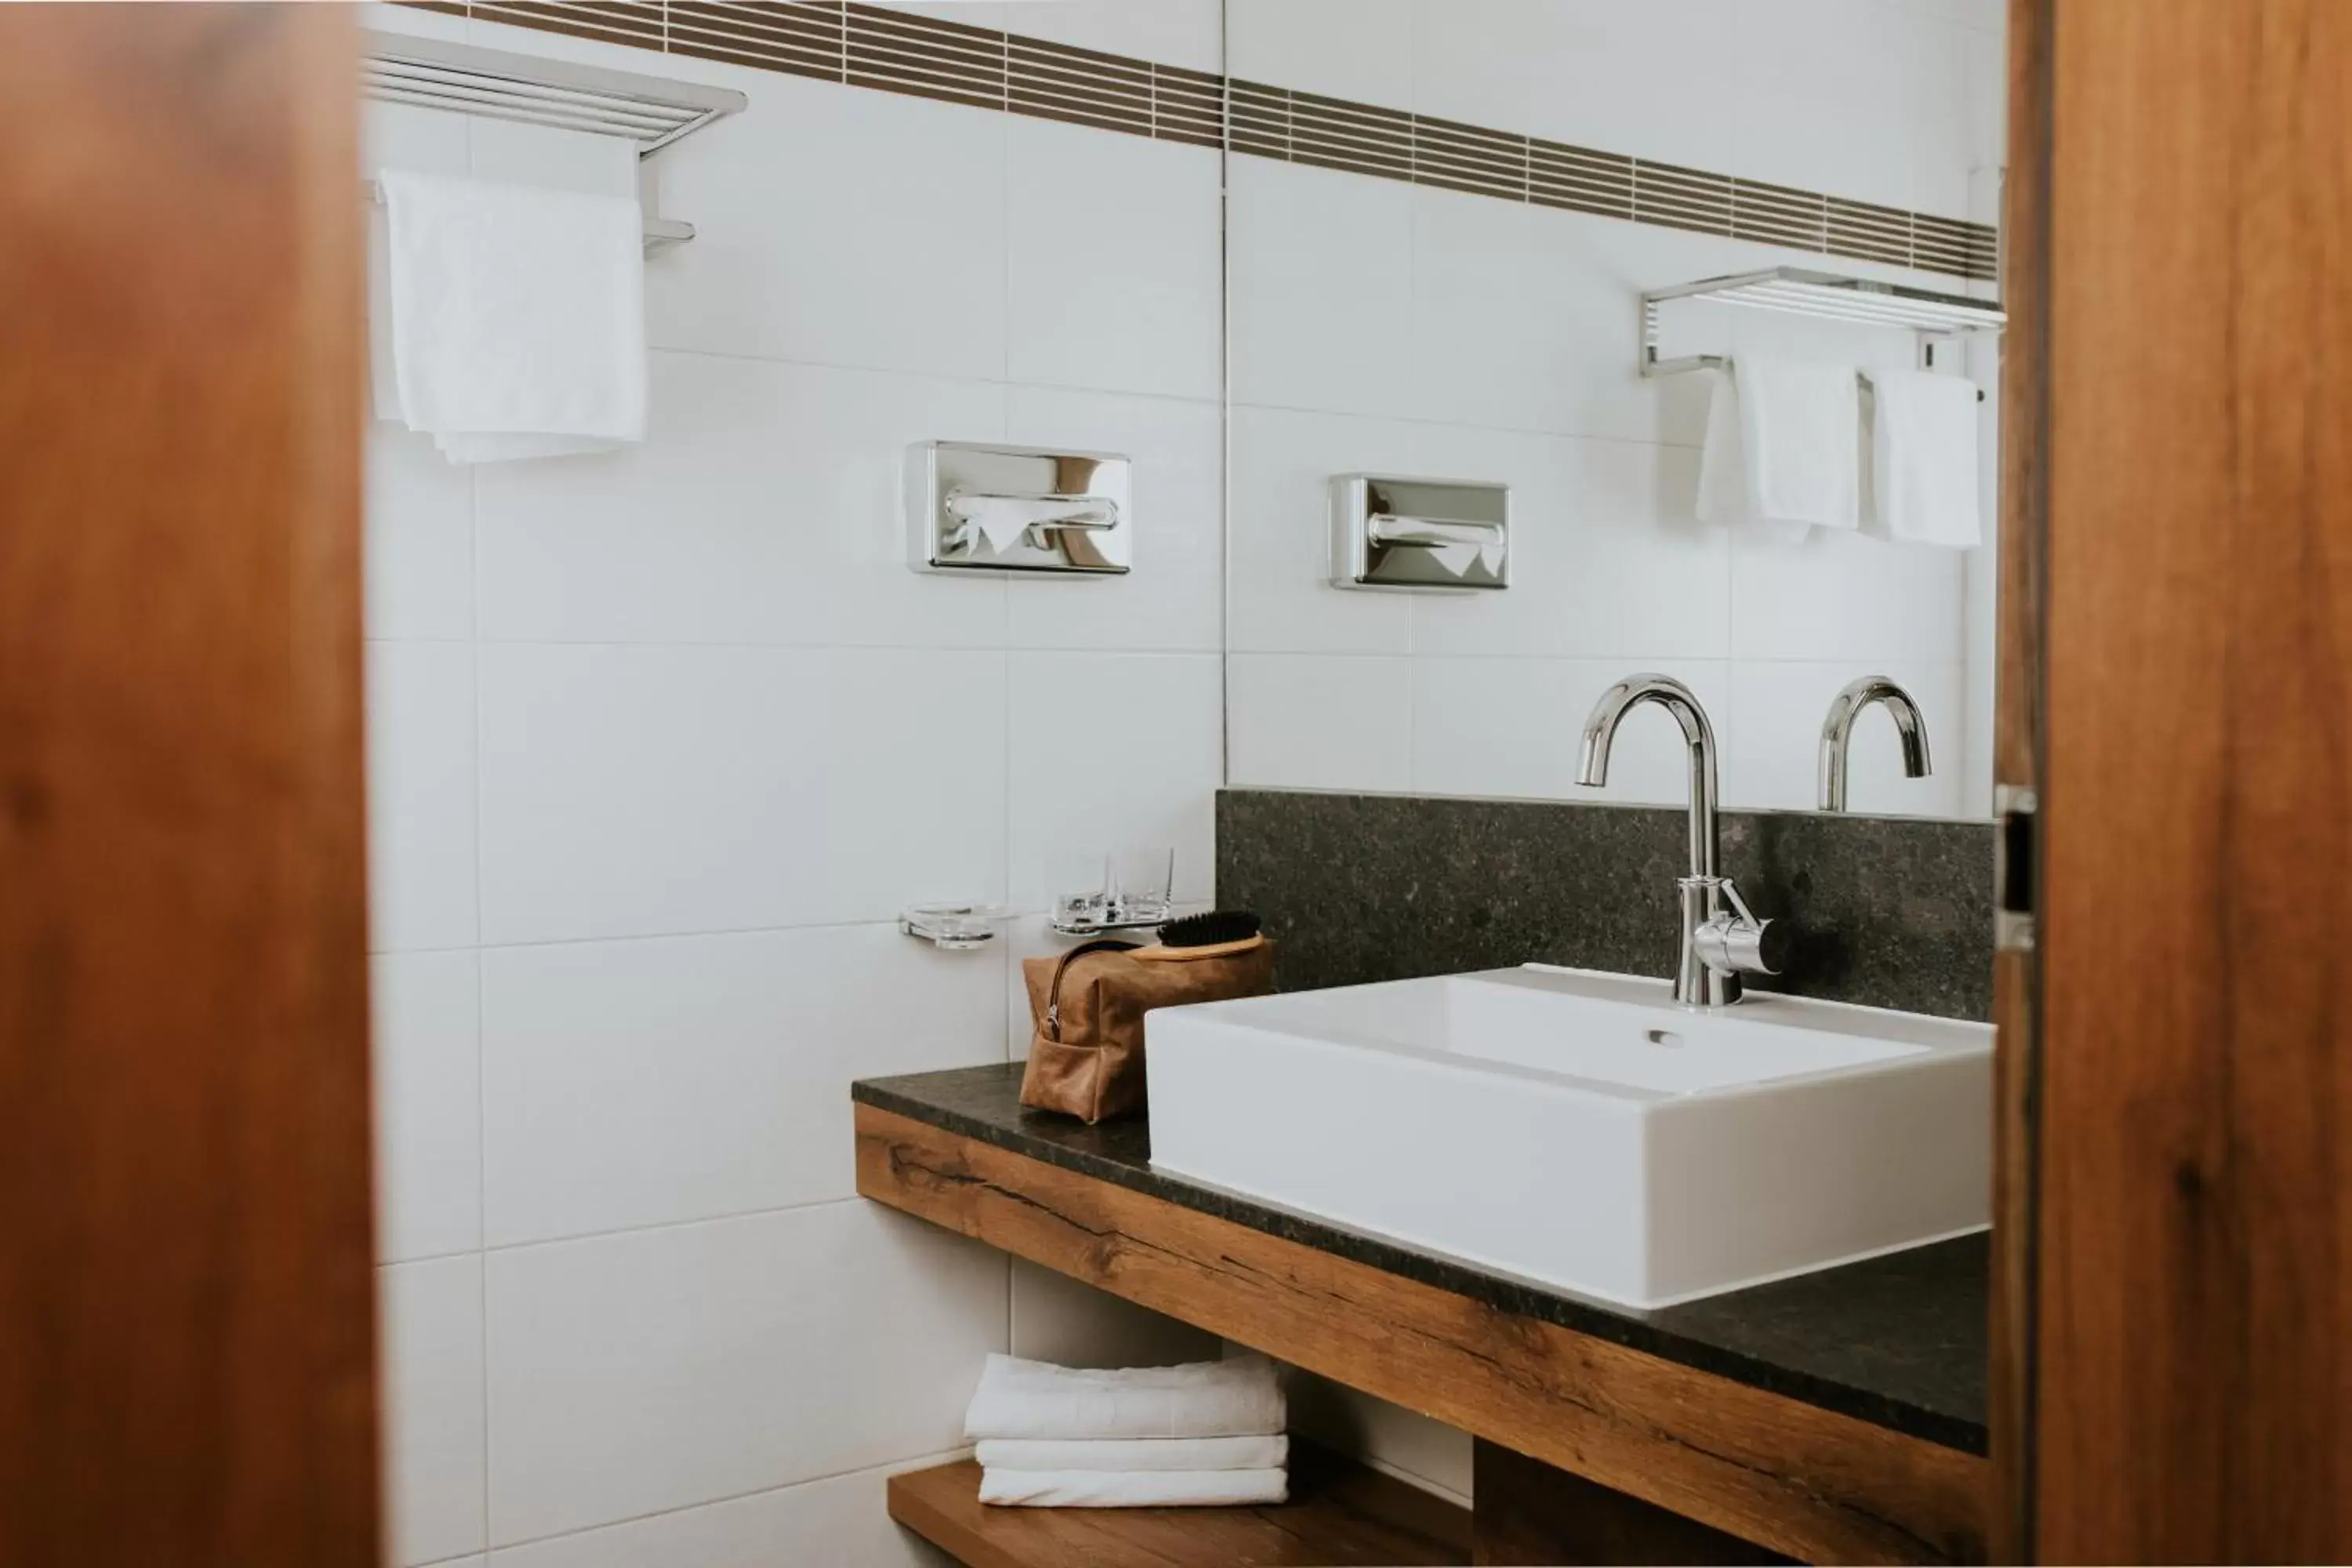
(1799, 290)
(466, 78)
(659, 231)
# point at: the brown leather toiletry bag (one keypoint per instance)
(1086, 1056)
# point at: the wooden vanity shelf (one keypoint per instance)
(1588, 1444)
(1340, 1515)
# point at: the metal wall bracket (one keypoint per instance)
(1018, 508)
(2016, 814)
(1425, 535)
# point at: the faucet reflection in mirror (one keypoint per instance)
(1837, 733)
(1721, 938)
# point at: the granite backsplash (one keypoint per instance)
(1888, 911)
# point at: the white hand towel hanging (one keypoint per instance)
(1723, 471)
(518, 316)
(1783, 450)
(1923, 455)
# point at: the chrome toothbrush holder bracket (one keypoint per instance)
(1019, 508)
(955, 927)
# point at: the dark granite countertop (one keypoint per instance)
(1898, 1341)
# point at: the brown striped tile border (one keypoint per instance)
(896, 52)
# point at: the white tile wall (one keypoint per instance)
(1172, 601)
(1344, 48)
(428, 1103)
(1188, 33)
(661, 740)
(838, 226)
(1057, 1319)
(652, 1082)
(420, 738)
(1594, 73)
(1406, 1444)
(689, 1363)
(734, 522)
(841, 1521)
(639, 790)
(430, 1317)
(1150, 324)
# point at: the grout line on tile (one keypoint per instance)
(904, 649)
(1005, 382)
(491, 1248)
(886, 1467)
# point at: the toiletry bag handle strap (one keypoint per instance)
(1053, 995)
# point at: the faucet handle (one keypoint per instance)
(1740, 943)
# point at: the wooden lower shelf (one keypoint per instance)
(1340, 1515)
(1803, 1481)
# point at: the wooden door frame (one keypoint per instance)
(2173, 1260)
(186, 1265)
(2017, 753)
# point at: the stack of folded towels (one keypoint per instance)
(1162, 1437)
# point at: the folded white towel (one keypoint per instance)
(1798, 456)
(1922, 450)
(518, 316)
(1134, 1453)
(1016, 1398)
(1132, 1488)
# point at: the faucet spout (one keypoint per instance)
(1665, 691)
(1837, 733)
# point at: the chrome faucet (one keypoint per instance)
(1837, 730)
(1721, 940)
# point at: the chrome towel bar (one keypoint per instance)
(660, 232)
(497, 84)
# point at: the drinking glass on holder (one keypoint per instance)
(1079, 877)
(1099, 890)
(1139, 884)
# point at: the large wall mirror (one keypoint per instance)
(1441, 217)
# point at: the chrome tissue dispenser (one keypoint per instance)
(1019, 508)
(1425, 535)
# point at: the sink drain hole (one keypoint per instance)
(1664, 1037)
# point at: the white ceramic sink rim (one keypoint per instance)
(1763, 1019)
(1532, 1122)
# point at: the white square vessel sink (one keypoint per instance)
(1581, 1130)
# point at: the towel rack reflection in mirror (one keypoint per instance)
(1828, 296)
(497, 84)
